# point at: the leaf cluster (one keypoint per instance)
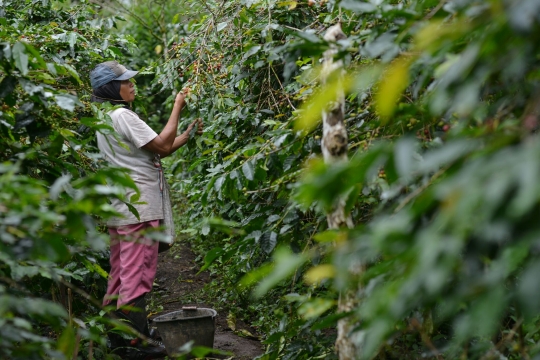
(54, 185)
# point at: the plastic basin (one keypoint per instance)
(189, 324)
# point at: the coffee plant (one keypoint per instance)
(54, 194)
(433, 114)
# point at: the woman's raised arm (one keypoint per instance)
(166, 142)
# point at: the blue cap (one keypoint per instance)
(109, 71)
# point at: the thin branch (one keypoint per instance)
(510, 335)
(12, 283)
(282, 88)
(276, 104)
(435, 9)
(261, 190)
(419, 190)
(208, 8)
(94, 301)
(425, 338)
(129, 12)
(81, 292)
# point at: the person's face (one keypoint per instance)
(127, 90)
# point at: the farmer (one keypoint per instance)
(135, 146)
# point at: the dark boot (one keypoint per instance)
(137, 349)
(116, 342)
(145, 352)
(136, 317)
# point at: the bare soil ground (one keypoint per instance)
(177, 284)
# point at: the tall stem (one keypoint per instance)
(334, 149)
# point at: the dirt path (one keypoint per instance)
(177, 284)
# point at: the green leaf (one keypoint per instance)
(72, 72)
(72, 40)
(256, 275)
(317, 274)
(133, 210)
(67, 101)
(36, 59)
(330, 236)
(268, 241)
(58, 185)
(7, 86)
(252, 51)
(135, 197)
(357, 6)
(95, 267)
(30, 87)
(315, 307)
(66, 342)
(391, 87)
(44, 308)
(210, 257)
(248, 170)
(222, 25)
(52, 68)
(226, 226)
(529, 290)
(229, 102)
(20, 57)
(18, 272)
(285, 264)
(55, 147)
(219, 183)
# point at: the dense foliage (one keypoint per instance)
(52, 188)
(445, 210)
(442, 106)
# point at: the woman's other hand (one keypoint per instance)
(199, 124)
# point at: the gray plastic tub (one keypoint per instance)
(190, 323)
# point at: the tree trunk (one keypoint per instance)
(334, 149)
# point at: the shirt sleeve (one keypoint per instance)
(130, 127)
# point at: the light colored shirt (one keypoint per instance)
(144, 166)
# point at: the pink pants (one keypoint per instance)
(133, 263)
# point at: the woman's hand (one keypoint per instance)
(197, 122)
(180, 99)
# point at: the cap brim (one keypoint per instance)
(127, 75)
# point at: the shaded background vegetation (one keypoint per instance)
(442, 106)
